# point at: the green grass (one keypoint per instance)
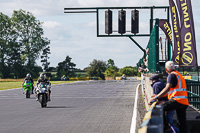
(12, 85)
(60, 82)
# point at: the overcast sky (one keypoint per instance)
(75, 34)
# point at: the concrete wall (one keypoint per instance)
(147, 90)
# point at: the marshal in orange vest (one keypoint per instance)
(179, 93)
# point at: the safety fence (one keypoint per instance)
(193, 89)
(156, 53)
(153, 120)
(153, 49)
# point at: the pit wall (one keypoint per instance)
(147, 90)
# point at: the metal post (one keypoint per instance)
(157, 45)
(138, 46)
(151, 20)
(198, 72)
(97, 22)
(141, 49)
(169, 46)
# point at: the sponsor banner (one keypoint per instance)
(165, 26)
(188, 42)
(176, 32)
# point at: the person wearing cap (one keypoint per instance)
(158, 85)
(177, 95)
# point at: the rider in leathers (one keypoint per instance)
(28, 77)
(45, 80)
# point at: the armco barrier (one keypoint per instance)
(85, 78)
(129, 78)
(153, 120)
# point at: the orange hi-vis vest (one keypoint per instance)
(179, 93)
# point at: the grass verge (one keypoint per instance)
(12, 85)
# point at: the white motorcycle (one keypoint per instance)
(43, 93)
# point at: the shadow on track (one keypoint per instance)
(57, 107)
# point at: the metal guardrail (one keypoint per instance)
(153, 120)
(193, 89)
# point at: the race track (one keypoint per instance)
(81, 107)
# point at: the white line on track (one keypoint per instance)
(134, 118)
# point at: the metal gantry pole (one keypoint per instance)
(151, 8)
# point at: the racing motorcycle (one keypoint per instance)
(27, 88)
(43, 93)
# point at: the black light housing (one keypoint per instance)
(122, 21)
(134, 21)
(108, 21)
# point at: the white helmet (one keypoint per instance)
(42, 75)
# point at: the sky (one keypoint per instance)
(75, 35)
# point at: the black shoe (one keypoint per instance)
(198, 117)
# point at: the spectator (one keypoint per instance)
(177, 95)
(158, 85)
(146, 58)
(140, 69)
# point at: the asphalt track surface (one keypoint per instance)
(82, 107)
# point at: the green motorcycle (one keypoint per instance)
(27, 88)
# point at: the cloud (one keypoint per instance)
(75, 34)
(51, 24)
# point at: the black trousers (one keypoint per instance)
(180, 113)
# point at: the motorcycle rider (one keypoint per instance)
(44, 80)
(28, 77)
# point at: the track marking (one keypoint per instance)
(134, 118)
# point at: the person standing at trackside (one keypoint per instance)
(177, 95)
(158, 85)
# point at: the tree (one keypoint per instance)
(15, 62)
(44, 58)
(21, 41)
(110, 63)
(111, 71)
(129, 71)
(97, 68)
(9, 48)
(66, 68)
(30, 36)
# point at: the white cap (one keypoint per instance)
(169, 65)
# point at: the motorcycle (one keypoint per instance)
(27, 88)
(43, 93)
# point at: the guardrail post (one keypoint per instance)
(153, 120)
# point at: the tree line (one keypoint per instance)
(21, 42)
(96, 68)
